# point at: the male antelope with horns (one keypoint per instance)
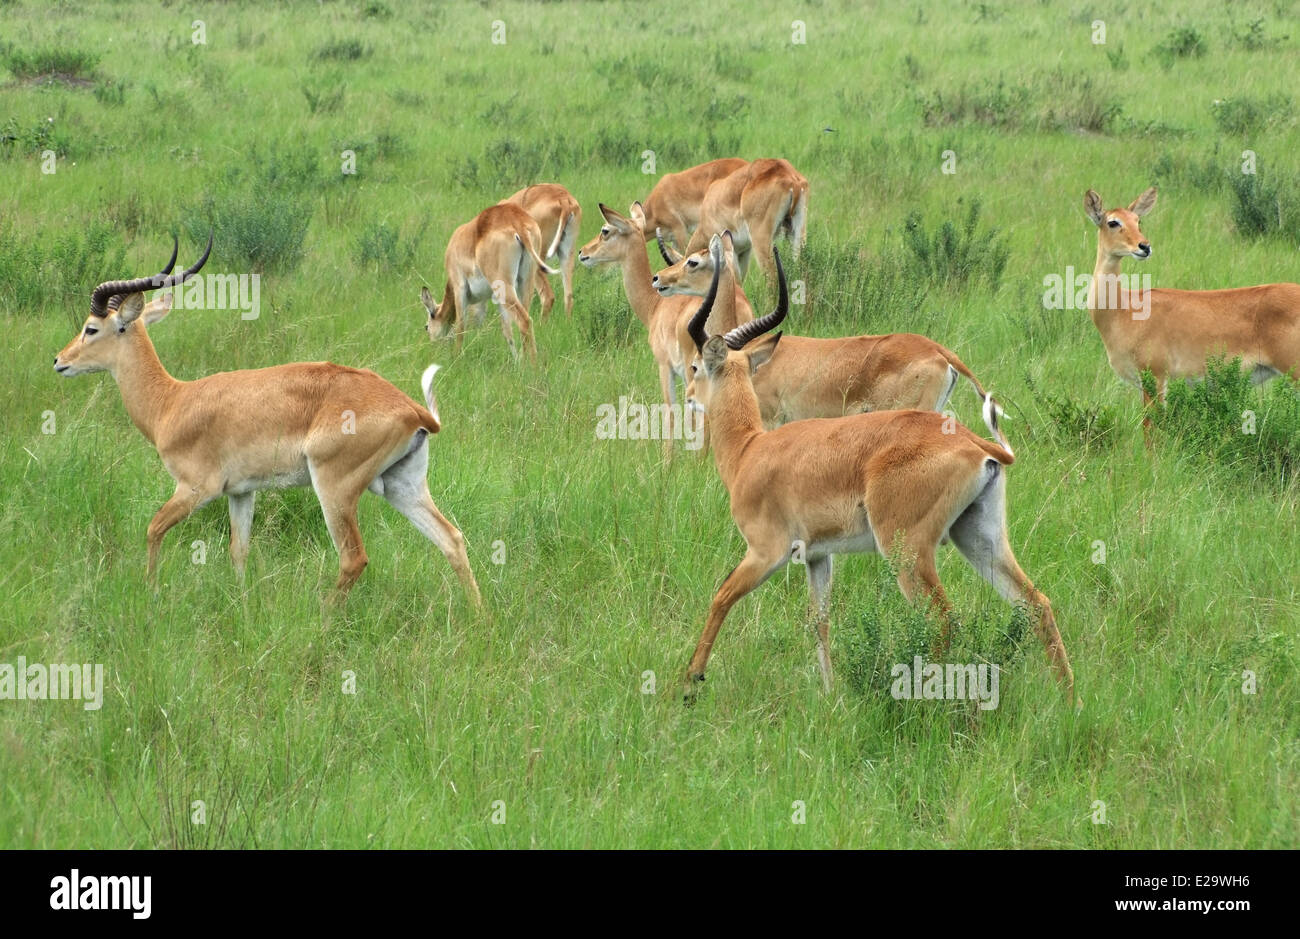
(340, 430)
(810, 377)
(864, 483)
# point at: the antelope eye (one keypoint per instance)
(1113, 223)
(91, 330)
(692, 369)
(692, 263)
(604, 232)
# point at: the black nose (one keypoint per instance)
(655, 280)
(1145, 245)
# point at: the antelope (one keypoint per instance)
(809, 377)
(754, 204)
(340, 430)
(559, 216)
(674, 203)
(873, 482)
(491, 257)
(621, 241)
(1172, 333)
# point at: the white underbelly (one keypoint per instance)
(858, 543)
(285, 479)
(479, 287)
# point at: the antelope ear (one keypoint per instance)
(760, 352)
(611, 216)
(637, 214)
(1092, 205)
(427, 299)
(156, 309)
(1143, 203)
(714, 354)
(129, 310)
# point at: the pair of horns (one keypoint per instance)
(107, 297)
(745, 333)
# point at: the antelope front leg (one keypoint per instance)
(183, 502)
(753, 569)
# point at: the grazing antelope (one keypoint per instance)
(864, 483)
(621, 241)
(809, 377)
(1172, 333)
(492, 257)
(674, 202)
(559, 216)
(755, 203)
(340, 430)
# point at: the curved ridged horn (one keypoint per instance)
(106, 291)
(747, 332)
(664, 250)
(116, 300)
(696, 326)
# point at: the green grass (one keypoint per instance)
(611, 554)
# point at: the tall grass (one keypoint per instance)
(1170, 572)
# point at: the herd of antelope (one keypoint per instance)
(826, 446)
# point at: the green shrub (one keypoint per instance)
(19, 141)
(1094, 426)
(1055, 100)
(51, 62)
(259, 210)
(342, 50)
(1265, 206)
(58, 270)
(1227, 421)
(1246, 115)
(889, 631)
(1185, 42)
(956, 254)
(381, 245)
(857, 290)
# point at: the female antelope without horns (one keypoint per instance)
(873, 482)
(340, 430)
(1172, 333)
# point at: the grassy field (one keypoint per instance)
(528, 725)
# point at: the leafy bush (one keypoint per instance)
(890, 631)
(51, 62)
(17, 141)
(1183, 43)
(342, 50)
(1092, 425)
(381, 245)
(325, 99)
(111, 93)
(849, 286)
(1206, 174)
(956, 254)
(259, 210)
(1264, 206)
(1055, 100)
(1247, 115)
(1226, 420)
(58, 270)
